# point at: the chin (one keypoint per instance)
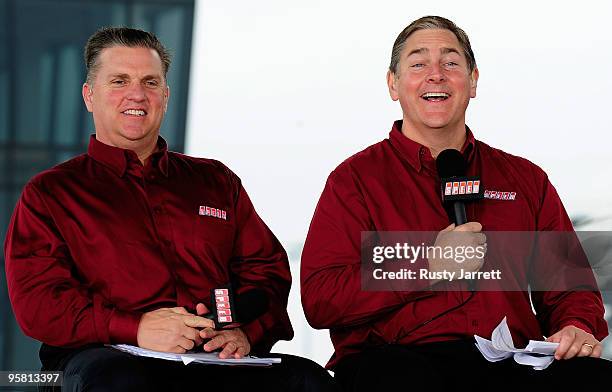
(133, 134)
(436, 124)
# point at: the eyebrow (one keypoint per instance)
(417, 51)
(120, 75)
(450, 50)
(426, 50)
(126, 76)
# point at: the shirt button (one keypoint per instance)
(157, 210)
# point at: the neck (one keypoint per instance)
(144, 148)
(436, 139)
(144, 155)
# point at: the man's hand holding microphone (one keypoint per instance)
(455, 237)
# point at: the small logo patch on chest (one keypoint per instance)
(214, 212)
(498, 195)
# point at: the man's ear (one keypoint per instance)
(392, 84)
(474, 82)
(87, 92)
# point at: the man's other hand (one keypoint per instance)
(173, 330)
(574, 342)
(201, 309)
(233, 341)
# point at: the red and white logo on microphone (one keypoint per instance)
(462, 188)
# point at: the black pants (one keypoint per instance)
(459, 365)
(108, 369)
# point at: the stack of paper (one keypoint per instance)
(537, 353)
(207, 358)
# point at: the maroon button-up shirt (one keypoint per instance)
(100, 239)
(393, 186)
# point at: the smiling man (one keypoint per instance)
(124, 244)
(129, 97)
(424, 338)
(433, 82)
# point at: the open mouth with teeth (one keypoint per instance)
(134, 112)
(435, 97)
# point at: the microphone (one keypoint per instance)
(243, 308)
(456, 187)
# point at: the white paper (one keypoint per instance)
(489, 352)
(538, 362)
(537, 354)
(538, 347)
(206, 358)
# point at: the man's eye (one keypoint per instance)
(118, 82)
(418, 65)
(452, 64)
(152, 83)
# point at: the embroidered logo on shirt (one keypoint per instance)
(497, 195)
(214, 212)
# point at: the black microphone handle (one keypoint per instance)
(461, 218)
(460, 215)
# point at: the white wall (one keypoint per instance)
(283, 91)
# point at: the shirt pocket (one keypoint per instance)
(213, 245)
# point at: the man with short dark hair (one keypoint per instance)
(125, 243)
(424, 337)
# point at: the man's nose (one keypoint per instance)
(136, 92)
(436, 75)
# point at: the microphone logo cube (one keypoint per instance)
(461, 188)
(223, 306)
(448, 189)
(476, 188)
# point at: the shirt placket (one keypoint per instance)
(150, 183)
(471, 312)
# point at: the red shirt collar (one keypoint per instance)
(118, 159)
(417, 155)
